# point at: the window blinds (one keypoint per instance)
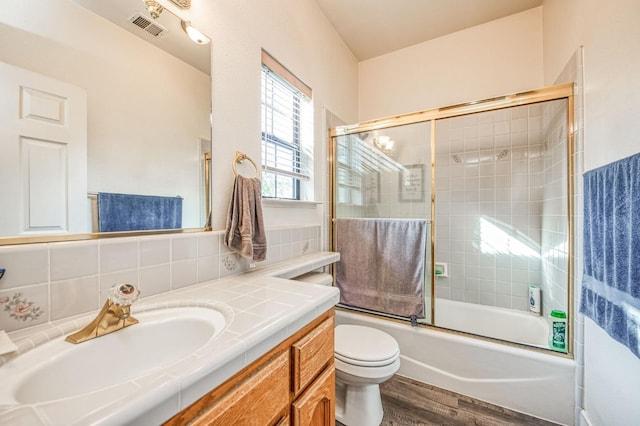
(286, 122)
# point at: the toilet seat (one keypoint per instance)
(364, 346)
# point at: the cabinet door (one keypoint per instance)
(311, 354)
(316, 406)
(284, 421)
(260, 400)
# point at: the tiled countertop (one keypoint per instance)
(264, 308)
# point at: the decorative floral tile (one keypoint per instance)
(24, 308)
(230, 263)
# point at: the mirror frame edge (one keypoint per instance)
(56, 238)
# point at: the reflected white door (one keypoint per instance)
(43, 154)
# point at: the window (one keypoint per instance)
(287, 133)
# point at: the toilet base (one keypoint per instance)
(358, 405)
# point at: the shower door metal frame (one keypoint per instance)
(557, 92)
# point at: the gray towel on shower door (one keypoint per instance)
(382, 264)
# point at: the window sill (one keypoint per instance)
(271, 202)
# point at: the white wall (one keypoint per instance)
(497, 58)
(610, 35)
(298, 35)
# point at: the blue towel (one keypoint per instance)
(128, 212)
(611, 283)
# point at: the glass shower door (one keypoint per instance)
(502, 221)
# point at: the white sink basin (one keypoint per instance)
(59, 369)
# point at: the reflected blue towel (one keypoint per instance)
(128, 212)
(611, 283)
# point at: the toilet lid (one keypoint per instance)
(366, 346)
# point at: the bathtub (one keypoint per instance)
(523, 380)
(498, 323)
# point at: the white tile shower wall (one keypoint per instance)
(52, 281)
(489, 178)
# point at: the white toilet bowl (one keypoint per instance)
(364, 358)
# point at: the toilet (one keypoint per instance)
(364, 357)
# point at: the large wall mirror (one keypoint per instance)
(136, 100)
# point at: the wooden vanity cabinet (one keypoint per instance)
(317, 406)
(314, 396)
(293, 384)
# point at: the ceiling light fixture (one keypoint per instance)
(194, 34)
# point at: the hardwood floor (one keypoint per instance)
(407, 402)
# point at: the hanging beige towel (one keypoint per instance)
(382, 265)
(245, 228)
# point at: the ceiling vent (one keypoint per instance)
(147, 25)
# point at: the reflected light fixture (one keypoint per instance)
(194, 34)
(154, 8)
(386, 145)
(182, 4)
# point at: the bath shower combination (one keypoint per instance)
(490, 184)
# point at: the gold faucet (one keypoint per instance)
(114, 315)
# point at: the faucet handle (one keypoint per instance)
(123, 294)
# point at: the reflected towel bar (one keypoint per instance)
(95, 194)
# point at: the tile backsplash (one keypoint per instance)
(50, 281)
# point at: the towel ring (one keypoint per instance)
(240, 157)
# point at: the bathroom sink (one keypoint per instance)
(59, 369)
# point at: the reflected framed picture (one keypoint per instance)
(412, 182)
